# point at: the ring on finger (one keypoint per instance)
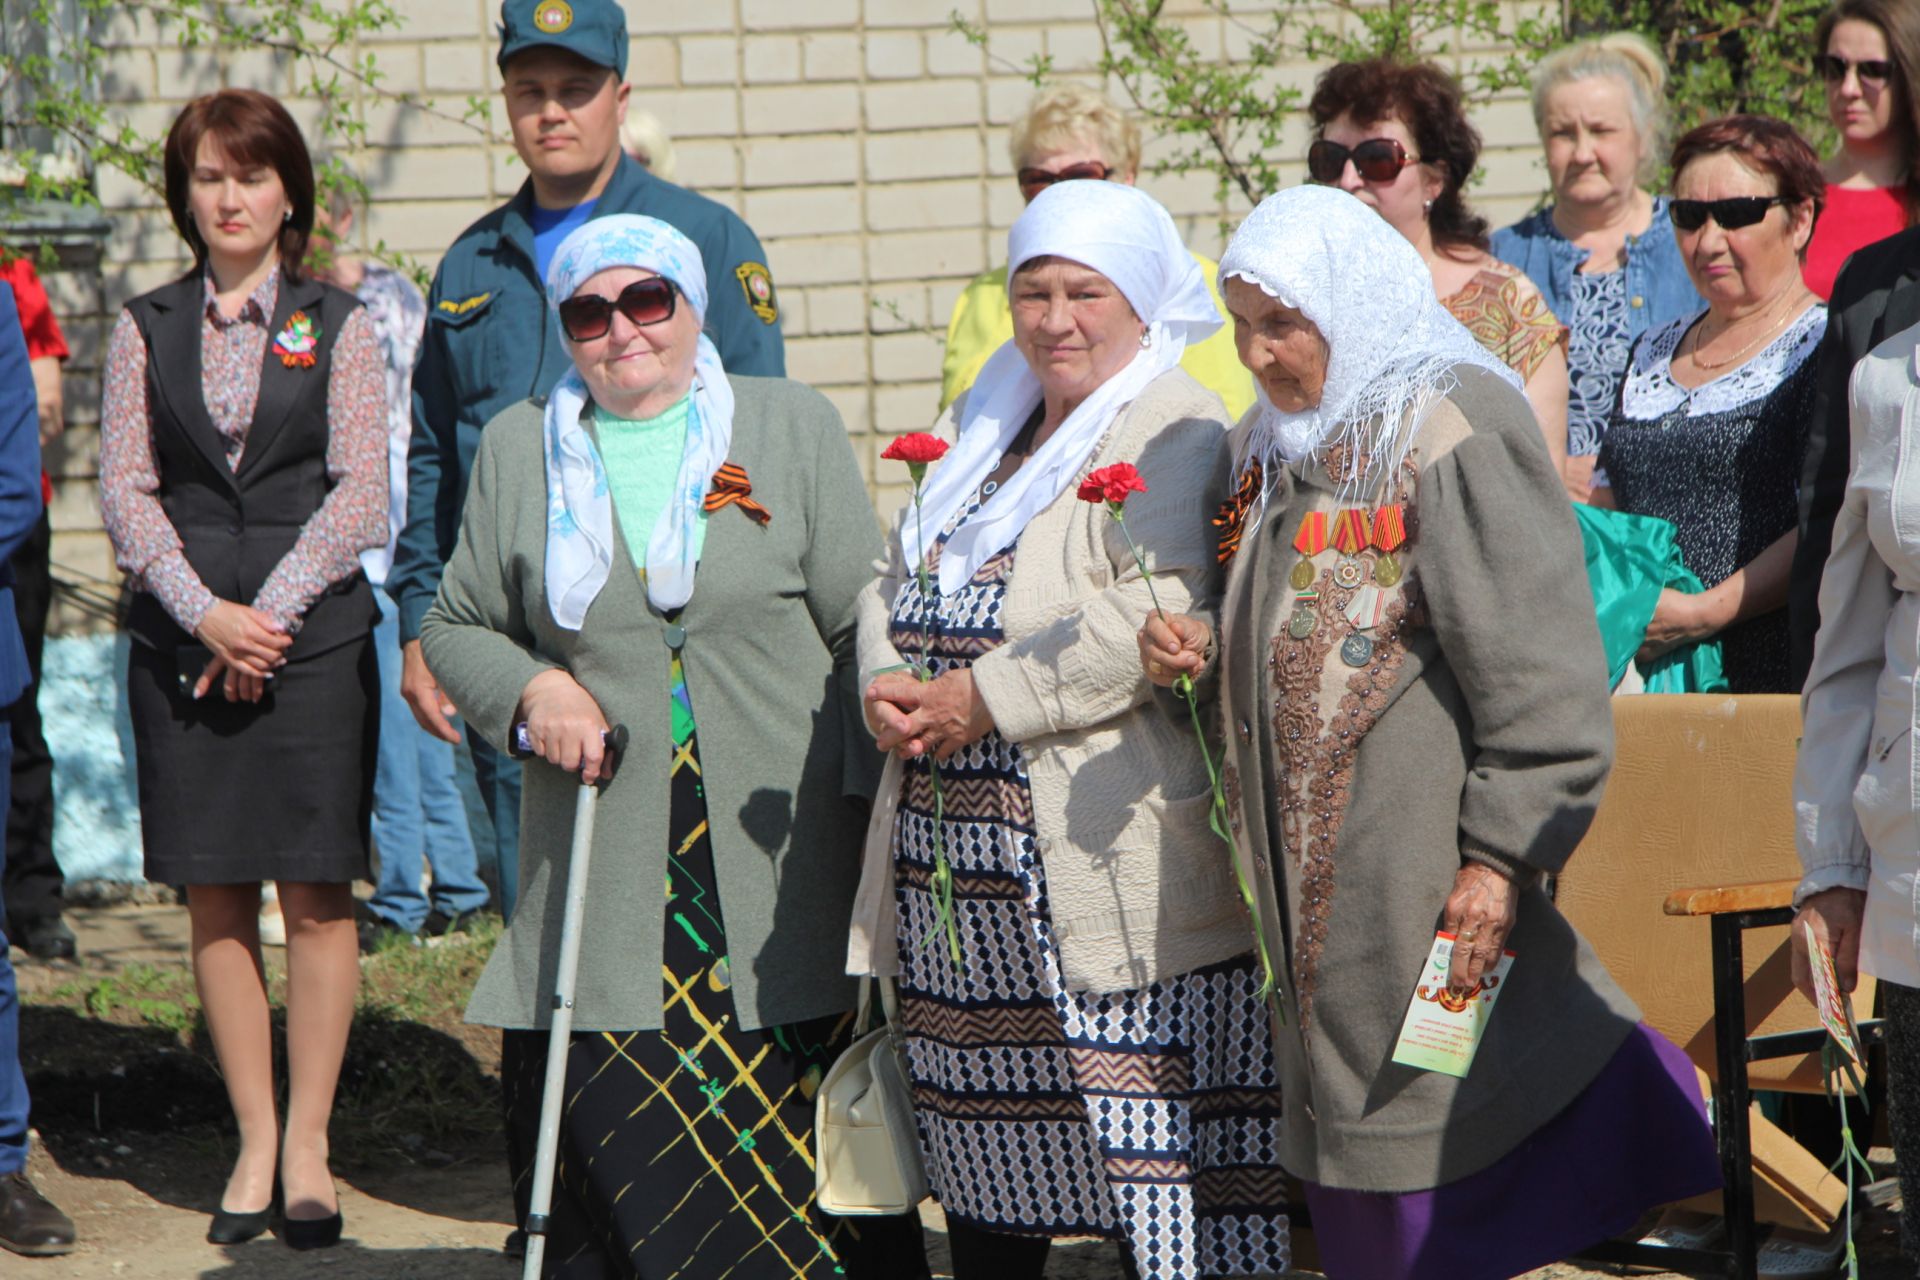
(1468, 935)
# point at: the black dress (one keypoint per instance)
(1722, 463)
(235, 792)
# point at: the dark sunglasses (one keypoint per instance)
(1034, 181)
(586, 316)
(1732, 213)
(1376, 160)
(1833, 68)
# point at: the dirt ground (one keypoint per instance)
(132, 1140)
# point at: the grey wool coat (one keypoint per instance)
(787, 765)
(1480, 729)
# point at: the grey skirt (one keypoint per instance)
(282, 789)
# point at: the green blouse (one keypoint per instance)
(642, 458)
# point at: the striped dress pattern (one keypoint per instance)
(1151, 1116)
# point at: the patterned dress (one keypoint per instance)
(1722, 462)
(1151, 1115)
(1506, 314)
(686, 1151)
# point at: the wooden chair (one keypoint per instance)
(1683, 887)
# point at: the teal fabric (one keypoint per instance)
(642, 457)
(1630, 560)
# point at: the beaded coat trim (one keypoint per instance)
(1317, 749)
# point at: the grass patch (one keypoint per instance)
(417, 1082)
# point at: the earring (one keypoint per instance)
(1146, 337)
(288, 216)
(1427, 207)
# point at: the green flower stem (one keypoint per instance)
(1834, 1061)
(1217, 817)
(942, 882)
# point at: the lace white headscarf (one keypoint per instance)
(1391, 345)
(1125, 235)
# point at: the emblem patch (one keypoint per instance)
(552, 16)
(296, 343)
(757, 283)
(449, 307)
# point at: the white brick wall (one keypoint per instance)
(864, 140)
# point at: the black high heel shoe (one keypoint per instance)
(228, 1227)
(312, 1233)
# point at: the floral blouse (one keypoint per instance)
(233, 352)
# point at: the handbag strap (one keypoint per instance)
(889, 1004)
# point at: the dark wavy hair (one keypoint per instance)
(252, 129)
(1428, 103)
(1771, 146)
(1899, 22)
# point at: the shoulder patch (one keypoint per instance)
(757, 283)
(450, 307)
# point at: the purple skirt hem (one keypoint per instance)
(1635, 1138)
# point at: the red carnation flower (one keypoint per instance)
(1112, 484)
(916, 448)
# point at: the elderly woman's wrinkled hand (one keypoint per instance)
(1479, 914)
(1679, 618)
(1174, 645)
(1836, 916)
(915, 717)
(565, 725)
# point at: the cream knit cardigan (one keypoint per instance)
(1140, 887)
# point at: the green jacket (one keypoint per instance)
(492, 341)
(787, 765)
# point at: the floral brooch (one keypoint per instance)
(297, 342)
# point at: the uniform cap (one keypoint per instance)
(592, 29)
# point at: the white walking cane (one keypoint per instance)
(547, 1150)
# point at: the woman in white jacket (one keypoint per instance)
(1854, 790)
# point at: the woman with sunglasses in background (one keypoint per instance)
(662, 546)
(1602, 254)
(1869, 53)
(1713, 412)
(1068, 133)
(1396, 135)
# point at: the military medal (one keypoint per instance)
(1368, 608)
(1304, 620)
(1350, 534)
(1310, 541)
(1356, 650)
(1389, 533)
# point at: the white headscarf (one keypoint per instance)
(579, 505)
(1391, 344)
(1125, 235)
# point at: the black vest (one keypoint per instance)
(237, 523)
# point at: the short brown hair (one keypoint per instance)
(252, 129)
(1767, 145)
(1427, 101)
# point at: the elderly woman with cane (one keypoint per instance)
(669, 548)
(1084, 1034)
(1414, 739)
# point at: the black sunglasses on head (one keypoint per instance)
(586, 316)
(1732, 213)
(1376, 159)
(1833, 68)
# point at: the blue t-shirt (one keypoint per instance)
(550, 227)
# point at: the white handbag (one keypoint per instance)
(867, 1157)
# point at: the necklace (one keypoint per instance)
(1765, 333)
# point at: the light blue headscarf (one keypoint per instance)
(579, 505)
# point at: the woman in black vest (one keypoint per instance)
(243, 470)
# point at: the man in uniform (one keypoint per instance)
(491, 339)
